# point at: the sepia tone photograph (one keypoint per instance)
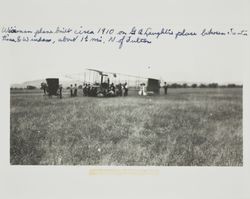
(114, 99)
(107, 118)
(145, 94)
(126, 95)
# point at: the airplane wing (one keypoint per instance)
(98, 71)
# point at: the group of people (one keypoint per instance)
(120, 89)
(104, 90)
(89, 90)
(73, 90)
(142, 89)
(144, 92)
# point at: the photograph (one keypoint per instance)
(124, 99)
(149, 110)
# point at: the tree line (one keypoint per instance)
(203, 85)
(172, 85)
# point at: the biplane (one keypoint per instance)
(98, 83)
(100, 88)
(103, 83)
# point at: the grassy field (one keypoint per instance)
(188, 127)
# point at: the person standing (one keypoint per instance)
(71, 90)
(112, 88)
(44, 87)
(120, 89)
(165, 88)
(143, 89)
(88, 90)
(75, 90)
(60, 91)
(125, 89)
(84, 89)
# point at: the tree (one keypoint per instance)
(184, 85)
(194, 85)
(213, 85)
(175, 85)
(31, 87)
(203, 86)
(231, 85)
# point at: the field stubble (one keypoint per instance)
(188, 127)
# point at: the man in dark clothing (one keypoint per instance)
(44, 87)
(85, 90)
(125, 89)
(112, 87)
(88, 90)
(60, 91)
(75, 90)
(165, 88)
(71, 90)
(120, 89)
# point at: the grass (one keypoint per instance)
(188, 127)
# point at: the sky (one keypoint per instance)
(211, 59)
